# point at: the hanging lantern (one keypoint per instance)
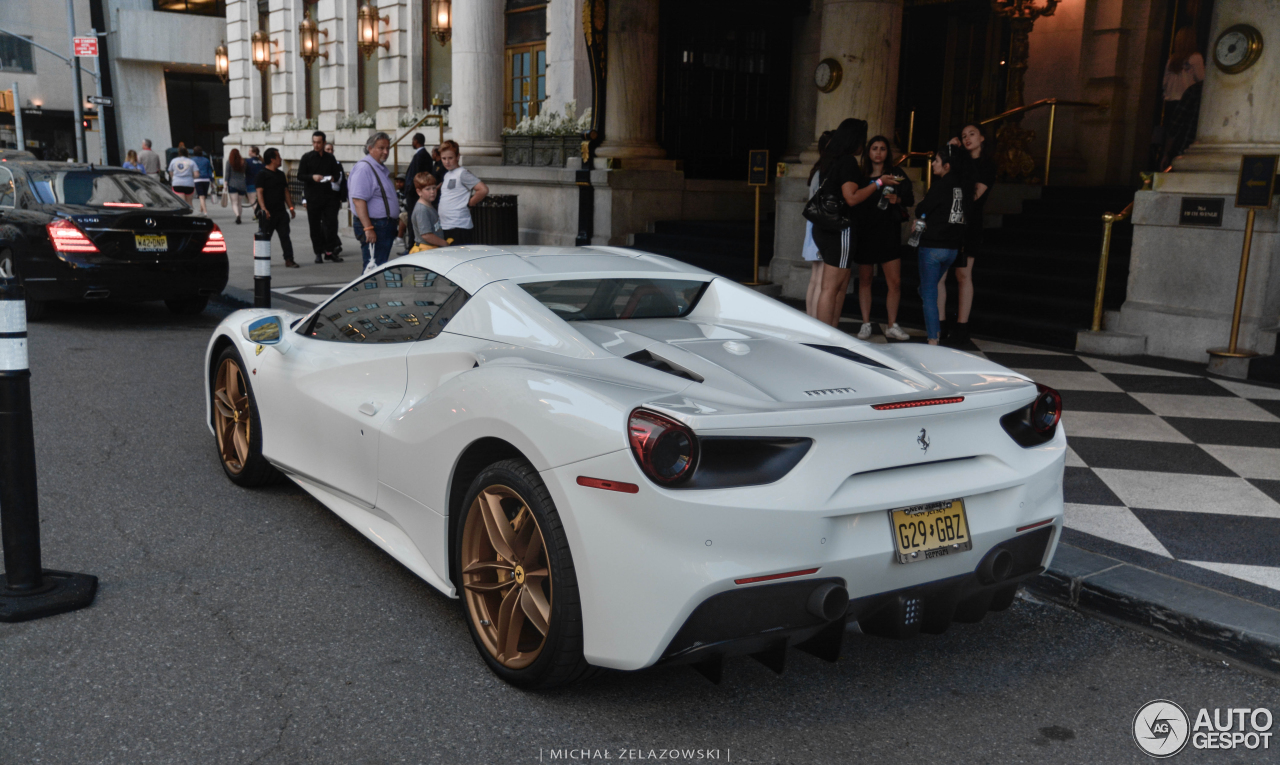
(367, 30)
(261, 45)
(442, 20)
(221, 64)
(309, 40)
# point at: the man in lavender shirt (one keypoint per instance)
(373, 198)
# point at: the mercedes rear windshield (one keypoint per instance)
(108, 189)
(611, 299)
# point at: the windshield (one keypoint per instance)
(123, 190)
(609, 299)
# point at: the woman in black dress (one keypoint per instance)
(880, 237)
(982, 176)
(838, 169)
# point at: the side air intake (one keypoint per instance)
(662, 365)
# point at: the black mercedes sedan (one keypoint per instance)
(78, 232)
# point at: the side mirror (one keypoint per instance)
(265, 331)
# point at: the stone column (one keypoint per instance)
(806, 40)
(476, 114)
(332, 91)
(631, 106)
(568, 73)
(393, 66)
(1239, 113)
(240, 70)
(283, 33)
(863, 35)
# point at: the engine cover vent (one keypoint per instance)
(662, 365)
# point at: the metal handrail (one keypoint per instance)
(1053, 104)
(1108, 219)
(928, 171)
(395, 144)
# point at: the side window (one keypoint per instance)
(7, 192)
(400, 304)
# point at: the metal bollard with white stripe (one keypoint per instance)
(27, 591)
(262, 269)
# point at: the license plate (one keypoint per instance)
(151, 242)
(932, 530)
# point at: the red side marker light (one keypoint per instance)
(600, 483)
(1035, 525)
(770, 577)
(921, 402)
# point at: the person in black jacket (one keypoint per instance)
(945, 213)
(982, 173)
(879, 233)
(321, 177)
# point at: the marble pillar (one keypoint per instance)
(806, 41)
(476, 115)
(864, 36)
(1239, 113)
(568, 72)
(631, 107)
(283, 32)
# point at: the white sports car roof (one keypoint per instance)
(473, 267)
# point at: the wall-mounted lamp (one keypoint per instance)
(442, 20)
(262, 57)
(221, 64)
(309, 40)
(367, 30)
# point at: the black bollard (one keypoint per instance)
(26, 590)
(262, 269)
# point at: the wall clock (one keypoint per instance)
(1238, 48)
(827, 75)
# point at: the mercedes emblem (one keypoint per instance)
(151, 222)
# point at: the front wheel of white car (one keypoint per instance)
(236, 424)
(518, 583)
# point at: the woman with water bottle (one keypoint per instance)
(940, 229)
(880, 237)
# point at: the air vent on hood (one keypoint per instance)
(653, 362)
(845, 353)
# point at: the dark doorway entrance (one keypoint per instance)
(199, 110)
(723, 82)
(952, 70)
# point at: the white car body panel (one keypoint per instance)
(506, 367)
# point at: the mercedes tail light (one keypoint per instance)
(1046, 410)
(216, 243)
(666, 450)
(66, 236)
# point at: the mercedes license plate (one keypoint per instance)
(931, 530)
(151, 242)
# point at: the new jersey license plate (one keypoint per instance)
(931, 530)
(151, 242)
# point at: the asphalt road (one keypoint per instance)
(238, 626)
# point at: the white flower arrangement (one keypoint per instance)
(250, 126)
(356, 121)
(302, 124)
(411, 118)
(552, 123)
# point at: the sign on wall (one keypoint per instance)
(1201, 211)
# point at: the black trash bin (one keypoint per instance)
(496, 220)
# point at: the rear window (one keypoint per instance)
(610, 299)
(102, 189)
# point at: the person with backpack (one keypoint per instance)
(843, 187)
(940, 228)
(252, 166)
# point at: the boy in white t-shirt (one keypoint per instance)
(460, 190)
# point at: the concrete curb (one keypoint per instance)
(242, 298)
(1163, 606)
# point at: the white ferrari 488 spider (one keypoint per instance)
(617, 460)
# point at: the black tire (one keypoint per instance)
(560, 660)
(188, 306)
(255, 470)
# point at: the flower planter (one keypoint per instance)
(539, 150)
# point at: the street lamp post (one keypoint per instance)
(75, 78)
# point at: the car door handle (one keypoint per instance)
(369, 408)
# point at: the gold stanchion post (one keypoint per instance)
(757, 175)
(1254, 189)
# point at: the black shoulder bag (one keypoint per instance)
(826, 210)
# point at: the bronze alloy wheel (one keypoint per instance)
(232, 421)
(506, 577)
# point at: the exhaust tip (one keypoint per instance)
(996, 566)
(97, 294)
(828, 601)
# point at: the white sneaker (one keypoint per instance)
(895, 333)
(865, 332)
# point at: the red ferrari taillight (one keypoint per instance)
(1046, 410)
(67, 237)
(666, 450)
(216, 243)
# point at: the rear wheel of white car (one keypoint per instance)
(236, 423)
(518, 583)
